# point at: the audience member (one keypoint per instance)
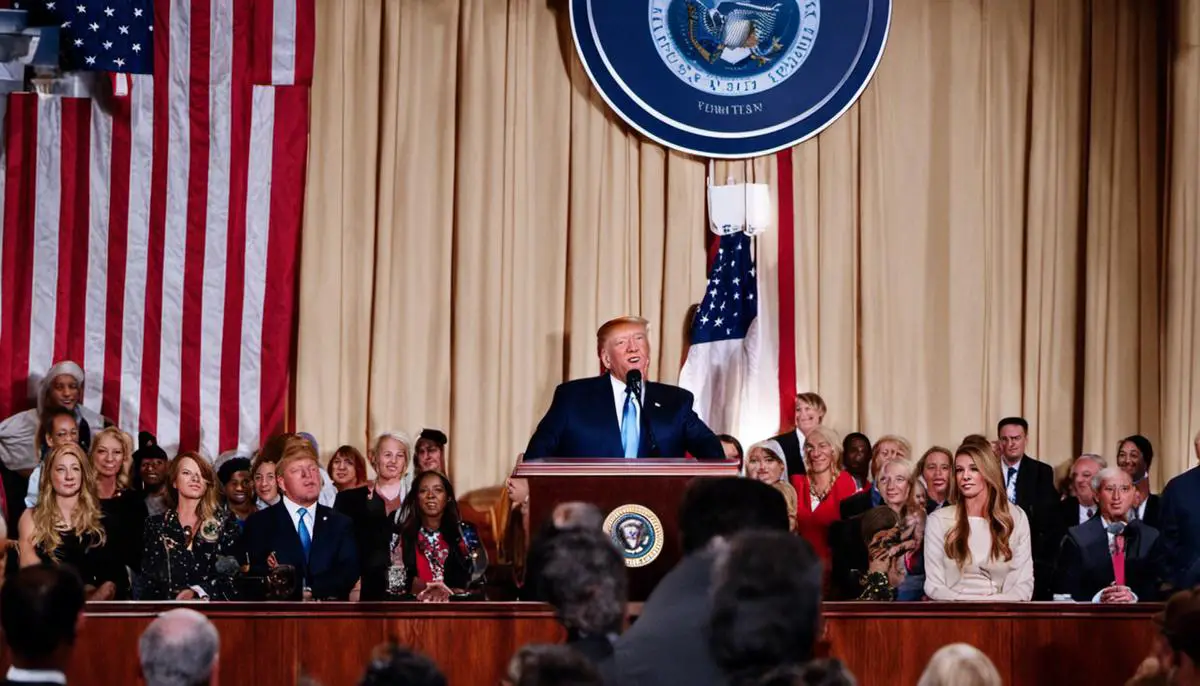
(1135, 454)
(395, 665)
(430, 455)
(150, 465)
(147, 498)
(821, 488)
(67, 526)
(1177, 652)
(183, 544)
(856, 453)
(1076, 509)
(1029, 484)
(347, 469)
(733, 450)
(766, 605)
(237, 489)
(551, 665)
(879, 528)
(904, 546)
(371, 507)
(112, 460)
(277, 446)
(792, 500)
(814, 673)
(41, 613)
(764, 462)
(300, 533)
(179, 648)
(439, 551)
(1110, 559)
(668, 642)
(936, 469)
(810, 412)
(980, 549)
(58, 428)
(565, 517)
(1181, 528)
(960, 664)
(584, 578)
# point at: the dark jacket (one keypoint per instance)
(331, 569)
(1181, 527)
(793, 452)
(1037, 496)
(1085, 566)
(372, 536)
(582, 422)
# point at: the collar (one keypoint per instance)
(294, 508)
(1016, 465)
(47, 676)
(617, 384)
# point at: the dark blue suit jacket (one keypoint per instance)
(1085, 567)
(1181, 527)
(582, 422)
(332, 567)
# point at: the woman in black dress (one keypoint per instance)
(183, 544)
(67, 526)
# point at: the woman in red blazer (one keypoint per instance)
(821, 489)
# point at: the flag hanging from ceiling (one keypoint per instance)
(153, 236)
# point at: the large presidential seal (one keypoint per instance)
(636, 532)
(730, 78)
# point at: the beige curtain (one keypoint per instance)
(984, 234)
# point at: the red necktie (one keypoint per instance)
(1118, 558)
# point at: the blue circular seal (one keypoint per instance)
(730, 78)
(637, 533)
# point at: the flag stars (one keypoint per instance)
(107, 45)
(737, 296)
(717, 281)
(91, 60)
(752, 271)
(736, 280)
(66, 24)
(50, 5)
(79, 42)
(713, 293)
(94, 27)
(703, 320)
(137, 12)
(119, 62)
(722, 307)
(108, 11)
(137, 47)
(81, 8)
(124, 30)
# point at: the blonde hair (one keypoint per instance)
(607, 327)
(294, 452)
(877, 450)
(48, 522)
(951, 485)
(126, 441)
(835, 441)
(995, 509)
(812, 400)
(960, 664)
(911, 506)
(206, 508)
(789, 497)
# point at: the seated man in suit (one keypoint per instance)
(1181, 527)
(297, 531)
(1109, 559)
(617, 414)
(41, 610)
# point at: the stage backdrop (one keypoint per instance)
(985, 233)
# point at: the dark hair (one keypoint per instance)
(726, 438)
(850, 437)
(46, 425)
(552, 665)
(1143, 445)
(434, 435)
(148, 449)
(230, 467)
(39, 608)
(1013, 421)
(395, 664)
(829, 672)
(766, 610)
(724, 506)
(457, 571)
(360, 463)
(584, 579)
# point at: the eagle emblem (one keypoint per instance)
(733, 31)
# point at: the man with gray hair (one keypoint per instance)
(1110, 559)
(179, 648)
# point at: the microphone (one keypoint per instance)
(228, 566)
(633, 383)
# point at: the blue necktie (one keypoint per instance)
(1008, 485)
(305, 537)
(630, 431)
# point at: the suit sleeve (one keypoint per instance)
(336, 584)
(1068, 569)
(546, 438)
(1174, 557)
(699, 440)
(1156, 573)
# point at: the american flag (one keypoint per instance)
(154, 238)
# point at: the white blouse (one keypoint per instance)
(980, 578)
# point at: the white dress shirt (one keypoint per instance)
(309, 516)
(35, 676)
(1139, 512)
(1011, 486)
(1085, 513)
(619, 400)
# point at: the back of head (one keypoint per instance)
(395, 665)
(179, 648)
(766, 610)
(584, 579)
(39, 611)
(960, 664)
(816, 673)
(725, 506)
(552, 665)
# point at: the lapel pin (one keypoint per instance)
(657, 405)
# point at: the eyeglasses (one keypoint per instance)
(1113, 490)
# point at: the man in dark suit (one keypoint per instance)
(668, 644)
(41, 611)
(1181, 527)
(608, 416)
(317, 541)
(1106, 560)
(1030, 485)
(810, 412)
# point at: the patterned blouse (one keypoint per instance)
(170, 565)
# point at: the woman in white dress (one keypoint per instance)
(978, 548)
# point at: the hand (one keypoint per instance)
(186, 594)
(106, 591)
(272, 563)
(435, 592)
(307, 594)
(1116, 594)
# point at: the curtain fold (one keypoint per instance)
(985, 233)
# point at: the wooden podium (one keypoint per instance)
(611, 483)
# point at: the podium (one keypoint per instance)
(640, 499)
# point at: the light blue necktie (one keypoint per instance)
(630, 431)
(305, 537)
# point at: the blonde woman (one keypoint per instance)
(66, 526)
(182, 545)
(936, 470)
(960, 664)
(980, 547)
(764, 463)
(898, 486)
(821, 489)
(112, 458)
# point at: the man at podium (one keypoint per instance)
(619, 413)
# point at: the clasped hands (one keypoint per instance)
(1117, 594)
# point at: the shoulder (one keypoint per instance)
(351, 497)
(844, 485)
(1020, 519)
(576, 386)
(1187, 481)
(328, 514)
(1043, 469)
(663, 390)
(944, 517)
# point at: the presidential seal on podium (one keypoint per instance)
(637, 533)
